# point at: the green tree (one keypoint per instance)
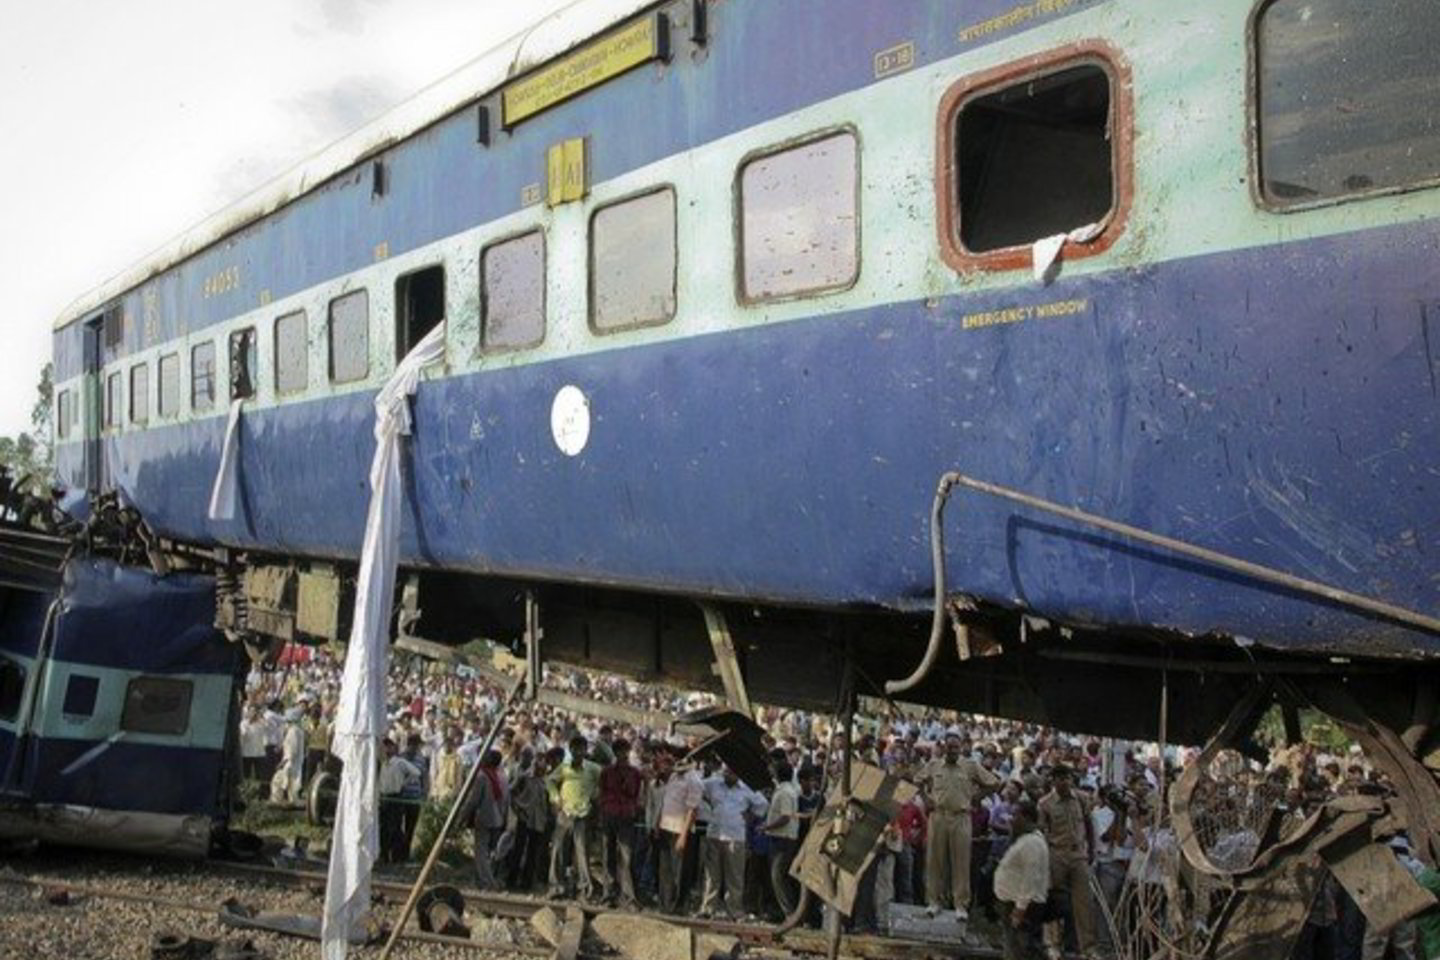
(29, 456)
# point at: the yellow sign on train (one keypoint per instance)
(565, 172)
(590, 66)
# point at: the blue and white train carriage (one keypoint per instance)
(726, 288)
(117, 701)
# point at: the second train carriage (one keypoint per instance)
(727, 286)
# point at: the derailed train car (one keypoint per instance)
(117, 705)
(726, 288)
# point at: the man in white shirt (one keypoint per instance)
(680, 801)
(728, 802)
(395, 774)
(1022, 883)
(782, 824)
(253, 734)
(288, 784)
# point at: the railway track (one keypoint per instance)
(112, 907)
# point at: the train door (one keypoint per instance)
(93, 401)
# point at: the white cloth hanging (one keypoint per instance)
(225, 493)
(360, 714)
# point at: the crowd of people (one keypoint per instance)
(1040, 831)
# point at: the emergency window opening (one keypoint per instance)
(243, 361)
(1035, 159)
(419, 307)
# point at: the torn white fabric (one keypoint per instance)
(360, 714)
(1046, 251)
(225, 494)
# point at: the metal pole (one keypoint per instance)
(414, 898)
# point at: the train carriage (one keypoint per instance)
(727, 286)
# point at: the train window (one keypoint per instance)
(168, 397)
(12, 688)
(63, 403)
(80, 694)
(202, 377)
(1031, 150)
(292, 353)
(114, 399)
(350, 337)
(140, 393)
(158, 705)
(1034, 159)
(800, 219)
(512, 292)
(419, 307)
(244, 363)
(1347, 97)
(632, 262)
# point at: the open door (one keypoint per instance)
(93, 403)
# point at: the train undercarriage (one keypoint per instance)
(1134, 684)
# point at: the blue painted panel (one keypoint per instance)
(1277, 404)
(763, 60)
(123, 776)
(22, 618)
(132, 620)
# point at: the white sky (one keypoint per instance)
(124, 123)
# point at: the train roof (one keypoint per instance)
(539, 43)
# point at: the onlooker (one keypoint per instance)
(728, 802)
(953, 784)
(620, 806)
(573, 786)
(1022, 883)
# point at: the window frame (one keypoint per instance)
(214, 376)
(330, 337)
(64, 400)
(738, 216)
(133, 420)
(480, 347)
(1083, 53)
(666, 187)
(254, 372)
(114, 408)
(126, 720)
(1253, 143)
(160, 385)
(281, 391)
(401, 313)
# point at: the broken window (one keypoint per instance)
(512, 292)
(632, 262)
(800, 219)
(80, 694)
(63, 404)
(159, 705)
(1349, 97)
(1035, 159)
(114, 399)
(12, 688)
(292, 353)
(202, 377)
(168, 397)
(419, 307)
(350, 337)
(140, 393)
(244, 361)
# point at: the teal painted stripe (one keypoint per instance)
(209, 708)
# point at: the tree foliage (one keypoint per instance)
(29, 455)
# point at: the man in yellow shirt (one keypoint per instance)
(572, 786)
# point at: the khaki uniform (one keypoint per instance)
(1063, 823)
(953, 788)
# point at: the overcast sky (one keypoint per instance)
(124, 123)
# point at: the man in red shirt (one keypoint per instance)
(911, 822)
(621, 788)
